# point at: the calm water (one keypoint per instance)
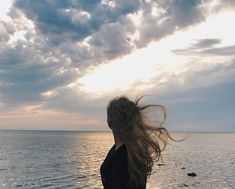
(42, 159)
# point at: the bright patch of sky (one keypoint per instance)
(159, 58)
(4, 9)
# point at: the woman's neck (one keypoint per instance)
(117, 141)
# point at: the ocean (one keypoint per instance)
(61, 159)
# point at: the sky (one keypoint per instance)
(62, 61)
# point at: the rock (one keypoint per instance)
(192, 174)
(185, 185)
(183, 168)
(161, 164)
(3, 169)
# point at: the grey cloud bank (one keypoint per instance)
(66, 38)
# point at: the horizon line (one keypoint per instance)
(53, 130)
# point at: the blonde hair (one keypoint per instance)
(144, 139)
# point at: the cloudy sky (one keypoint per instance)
(61, 61)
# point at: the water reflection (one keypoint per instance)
(46, 159)
(72, 160)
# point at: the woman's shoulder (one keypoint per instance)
(120, 154)
(120, 149)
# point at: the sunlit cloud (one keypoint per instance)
(159, 58)
(4, 9)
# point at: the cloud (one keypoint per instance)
(46, 46)
(76, 20)
(198, 98)
(173, 15)
(224, 51)
(28, 66)
(206, 47)
(205, 43)
(23, 82)
(60, 38)
(67, 99)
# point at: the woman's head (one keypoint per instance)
(143, 137)
(121, 116)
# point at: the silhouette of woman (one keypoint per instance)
(137, 139)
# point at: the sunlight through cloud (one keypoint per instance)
(158, 58)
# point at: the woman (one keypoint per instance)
(137, 139)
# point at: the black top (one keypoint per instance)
(114, 169)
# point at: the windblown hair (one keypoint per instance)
(144, 138)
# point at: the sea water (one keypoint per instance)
(56, 159)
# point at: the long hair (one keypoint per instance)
(144, 138)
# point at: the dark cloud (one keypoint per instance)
(90, 32)
(176, 14)
(205, 46)
(205, 43)
(66, 26)
(69, 100)
(24, 86)
(25, 75)
(110, 46)
(197, 46)
(75, 20)
(224, 51)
